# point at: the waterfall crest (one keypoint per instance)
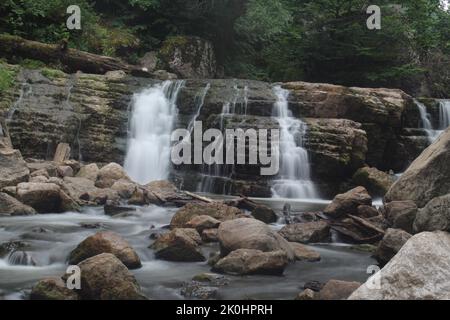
(153, 115)
(294, 180)
(426, 121)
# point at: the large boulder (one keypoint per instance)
(434, 216)
(307, 232)
(85, 190)
(338, 290)
(347, 203)
(216, 210)
(10, 206)
(392, 242)
(427, 177)
(104, 277)
(201, 223)
(375, 181)
(89, 171)
(419, 271)
(45, 197)
(53, 289)
(179, 245)
(250, 261)
(13, 169)
(245, 233)
(189, 57)
(109, 174)
(304, 253)
(401, 214)
(106, 242)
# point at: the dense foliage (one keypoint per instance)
(278, 40)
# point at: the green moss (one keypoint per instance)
(31, 64)
(7, 77)
(52, 73)
(171, 43)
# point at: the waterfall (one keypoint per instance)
(20, 258)
(294, 179)
(425, 124)
(153, 115)
(199, 102)
(444, 114)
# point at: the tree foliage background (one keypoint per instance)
(274, 40)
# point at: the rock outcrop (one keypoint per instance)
(435, 216)
(348, 203)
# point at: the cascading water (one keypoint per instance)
(444, 114)
(153, 115)
(199, 101)
(293, 180)
(426, 124)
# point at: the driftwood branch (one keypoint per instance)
(196, 196)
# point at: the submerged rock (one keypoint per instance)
(179, 245)
(303, 253)
(392, 242)
(106, 242)
(250, 261)
(53, 289)
(216, 210)
(348, 203)
(10, 206)
(419, 271)
(104, 277)
(308, 232)
(245, 233)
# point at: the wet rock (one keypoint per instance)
(109, 174)
(201, 223)
(11, 246)
(197, 290)
(10, 206)
(419, 271)
(247, 233)
(365, 211)
(89, 171)
(211, 278)
(392, 242)
(53, 289)
(427, 177)
(338, 290)
(112, 209)
(264, 214)
(124, 188)
(104, 277)
(210, 235)
(435, 216)
(375, 181)
(347, 203)
(401, 214)
(13, 169)
(179, 245)
(315, 286)
(303, 253)
(45, 197)
(21, 258)
(308, 232)
(306, 294)
(215, 210)
(84, 189)
(106, 242)
(250, 261)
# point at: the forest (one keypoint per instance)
(272, 40)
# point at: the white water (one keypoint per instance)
(294, 180)
(444, 114)
(153, 115)
(444, 119)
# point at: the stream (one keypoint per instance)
(50, 238)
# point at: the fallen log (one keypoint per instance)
(196, 196)
(72, 60)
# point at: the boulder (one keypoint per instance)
(347, 203)
(305, 295)
(375, 181)
(45, 197)
(85, 189)
(427, 177)
(434, 216)
(189, 57)
(53, 289)
(106, 242)
(264, 214)
(308, 232)
(419, 271)
(113, 209)
(210, 235)
(251, 261)
(109, 174)
(179, 245)
(401, 214)
(125, 188)
(37, 165)
(216, 210)
(10, 206)
(40, 173)
(245, 233)
(338, 290)
(365, 211)
(39, 179)
(303, 253)
(104, 277)
(89, 171)
(201, 223)
(392, 242)
(65, 171)
(13, 169)
(62, 153)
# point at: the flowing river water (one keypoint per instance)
(50, 238)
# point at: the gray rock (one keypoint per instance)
(348, 203)
(392, 242)
(401, 214)
(307, 232)
(434, 216)
(10, 206)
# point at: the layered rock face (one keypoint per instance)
(346, 127)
